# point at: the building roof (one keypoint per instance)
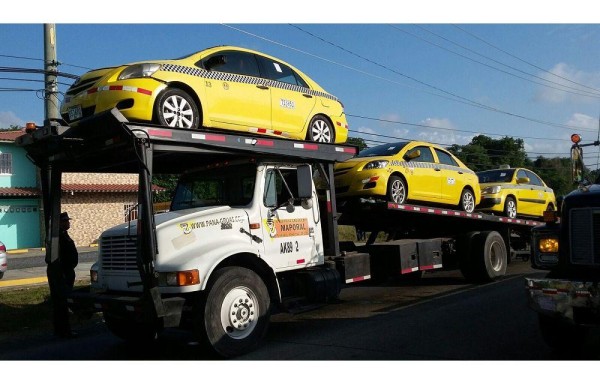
(10, 136)
(105, 188)
(97, 188)
(19, 192)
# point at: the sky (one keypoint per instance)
(436, 76)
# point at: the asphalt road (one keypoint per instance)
(440, 318)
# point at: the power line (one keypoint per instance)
(465, 100)
(42, 60)
(30, 80)
(523, 61)
(586, 94)
(37, 71)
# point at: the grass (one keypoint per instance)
(27, 309)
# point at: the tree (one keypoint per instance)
(359, 142)
(483, 153)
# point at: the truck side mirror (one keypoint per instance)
(305, 182)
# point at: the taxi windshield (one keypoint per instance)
(496, 176)
(383, 150)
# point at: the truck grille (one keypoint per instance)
(585, 236)
(119, 253)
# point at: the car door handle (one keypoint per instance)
(307, 95)
(437, 169)
(460, 172)
(260, 86)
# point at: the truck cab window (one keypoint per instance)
(276, 192)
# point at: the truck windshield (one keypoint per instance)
(232, 186)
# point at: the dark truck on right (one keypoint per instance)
(567, 299)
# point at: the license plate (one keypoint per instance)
(75, 113)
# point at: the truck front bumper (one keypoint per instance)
(140, 308)
(577, 302)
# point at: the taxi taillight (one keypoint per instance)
(2, 247)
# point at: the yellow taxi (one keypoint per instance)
(414, 171)
(222, 87)
(514, 192)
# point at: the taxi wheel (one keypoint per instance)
(176, 108)
(397, 190)
(467, 201)
(320, 130)
(510, 207)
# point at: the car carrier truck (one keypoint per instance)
(249, 232)
(567, 299)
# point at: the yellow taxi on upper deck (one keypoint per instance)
(414, 171)
(221, 87)
(515, 192)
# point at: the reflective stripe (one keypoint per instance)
(427, 165)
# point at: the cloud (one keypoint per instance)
(445, 136)
(567, 76)
(562, 147)
(8, 118)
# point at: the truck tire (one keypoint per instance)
(236, 311)
(177, 109)
(560, 334)
(486, 258)
(130, 331)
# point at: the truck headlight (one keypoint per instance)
(491, 190)
(139, 70)
(179, 278)
(548, 245)
(376, 164)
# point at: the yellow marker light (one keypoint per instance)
(548, 245)
(575, 138)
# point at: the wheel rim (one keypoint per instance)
(398, 192)
(511, 209)
(320, 131)
(468, 202)
(495, 256)
(239, 312)
(177, 112)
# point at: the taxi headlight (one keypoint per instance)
(139, 70)
(491, 190)
(548, 245)
(377, 164)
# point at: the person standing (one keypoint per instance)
(61, 278)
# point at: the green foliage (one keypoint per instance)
(169, 182)
(359, 142)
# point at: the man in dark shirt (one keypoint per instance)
(61, 278)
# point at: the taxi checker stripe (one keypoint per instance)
(215, 75)
(423, 164)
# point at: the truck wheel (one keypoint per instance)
(236, 311)
(320, 130)
(175, 108)
(467, 201)
(487, 257)
(129, 330)
(397, 191)
(510, 207)
(560, 334)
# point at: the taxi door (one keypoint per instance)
(291, 100)
(423, 175)
(235, 94)
(452, 178)
(292, 237)
(526, 196)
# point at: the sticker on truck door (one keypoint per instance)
(287, 227)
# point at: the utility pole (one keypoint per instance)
(51, 111)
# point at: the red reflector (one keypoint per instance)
(301, 261)
(265, 143)
(144, 91)
(160, 133)
(215, 138)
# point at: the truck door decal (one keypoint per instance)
(287, 227)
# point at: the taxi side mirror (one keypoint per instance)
(412, 155)
(523, 180)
